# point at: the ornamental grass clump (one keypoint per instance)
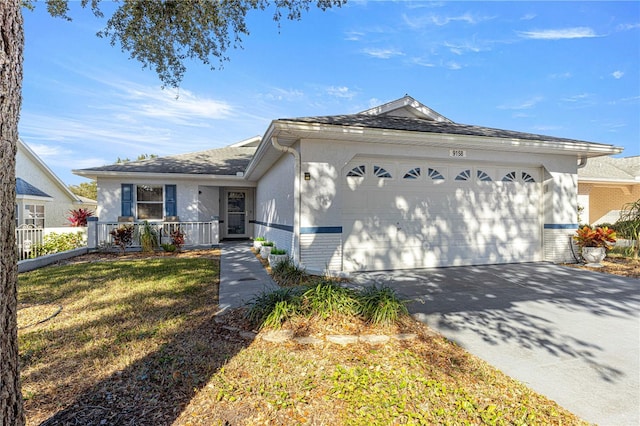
(328, 297)
(287, 274)
(381, 305)
(272, 308)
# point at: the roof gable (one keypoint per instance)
(625, 169)
(25, 190)
(37, 161)
(407, 107)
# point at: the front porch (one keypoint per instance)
(196, 234)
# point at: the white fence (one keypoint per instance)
(195, 233)
(27, 238)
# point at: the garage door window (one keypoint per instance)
(381, 172)
(434, 174)
(413, 173)
(513, 177)
(483, 177)
(358, 171)
(464, 175)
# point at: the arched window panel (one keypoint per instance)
(413, 173)
(434, 174)
(510, 177)
(527, 178)
(381, 172)
(464, 175)
(358, 171)
(483, 176)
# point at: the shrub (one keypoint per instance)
(272, 308)
(287, 274)
(56, 243)
(278, 251)
(259, 239)
(267, 244)
(122, 236)
(381, 305)
(147, 234)
(599, 237)
(327, 297)
(170, 248)
(79, 217)
(629, 225)
(177, 238)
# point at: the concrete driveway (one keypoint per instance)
(570, 334)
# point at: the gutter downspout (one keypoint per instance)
(296, 197)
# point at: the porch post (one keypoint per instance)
(92, 232)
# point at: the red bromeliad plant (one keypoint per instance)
(79, 217)
(598, 237)
(177, 238)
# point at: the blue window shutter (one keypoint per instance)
(126, 198)
(170, 200)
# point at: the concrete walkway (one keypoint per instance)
(242, 276)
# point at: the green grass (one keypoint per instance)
(137, 343)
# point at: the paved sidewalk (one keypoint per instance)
(242, 276)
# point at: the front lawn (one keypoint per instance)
(137, 342)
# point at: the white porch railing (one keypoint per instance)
(195, 233)
(27, 238)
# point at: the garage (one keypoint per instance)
(400, 214)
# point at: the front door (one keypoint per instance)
(237, 214)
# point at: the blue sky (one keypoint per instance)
(566, 69)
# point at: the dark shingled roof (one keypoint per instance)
(423, 125)
(25, 188)
(221, 161)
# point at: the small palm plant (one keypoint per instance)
(148, 236)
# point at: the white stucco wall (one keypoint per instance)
(197, 200)
(275, 204)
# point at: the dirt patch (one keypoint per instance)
(615, 265)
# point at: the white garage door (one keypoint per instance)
(400, 214)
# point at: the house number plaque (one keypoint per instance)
(458, 153)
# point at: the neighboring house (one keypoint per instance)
(42, 199)
(396, 186)
(605, 185)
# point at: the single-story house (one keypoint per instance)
(42, 199)
(605, 185)
(396, 186)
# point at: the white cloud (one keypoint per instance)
(526, 104)
(354, 35)
(617, 74)
(581, 100)
(561, 76)
(419, 22)
(453, 65)
(528, 17)
(627, 27)
(461, 48)
(279, 94)
(341, 92)
(559, 34)
(382, 53)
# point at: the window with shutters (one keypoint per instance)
(148, 202)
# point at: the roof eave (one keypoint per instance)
(94, 174)
(583, 149)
